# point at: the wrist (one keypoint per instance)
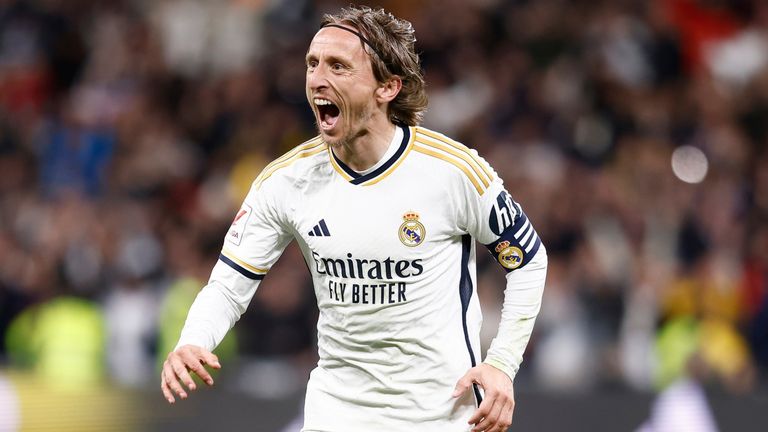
(503, 367)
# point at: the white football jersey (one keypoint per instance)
(392, 257)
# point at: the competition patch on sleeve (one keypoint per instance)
(517, 244)
(236, 231)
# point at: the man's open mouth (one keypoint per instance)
(328, 113)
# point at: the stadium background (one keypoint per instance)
(633, 132)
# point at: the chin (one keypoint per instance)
(334, 140)
(330, 139)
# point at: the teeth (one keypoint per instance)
(322, 102)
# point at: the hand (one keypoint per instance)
(495, 412)
(187, 358)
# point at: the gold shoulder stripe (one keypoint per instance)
(272, 168)
(460, 155)
(394, 166)
(459, 149)
(301, 147)
(242, 263)
(428, 151)
(457, 145)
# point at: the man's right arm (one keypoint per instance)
(254, 242)
(215, 310)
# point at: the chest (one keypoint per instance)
(399, 217)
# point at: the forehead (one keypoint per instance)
(335, 41)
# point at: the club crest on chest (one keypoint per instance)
(411, 231)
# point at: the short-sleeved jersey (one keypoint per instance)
(392, 257)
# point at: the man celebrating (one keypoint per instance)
(385, 213)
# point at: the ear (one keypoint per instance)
(389, 89)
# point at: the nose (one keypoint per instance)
(316, 77)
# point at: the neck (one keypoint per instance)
(366, 149)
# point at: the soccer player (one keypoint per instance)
(386, 214)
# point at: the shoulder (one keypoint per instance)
(455, 157)
(294, 165)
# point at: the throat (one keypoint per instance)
(364, 154)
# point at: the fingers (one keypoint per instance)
(195, 364)
(482, 411)
(495, 412)
(177, 368)
(180, 369)
(170, 379)
(166, 390)
(487, 415)
(210, 358)
(505, 419)
(493, 415)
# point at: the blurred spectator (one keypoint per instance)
(74, 157)
(62, 341)
(131, 310)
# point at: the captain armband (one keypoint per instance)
(518, 242)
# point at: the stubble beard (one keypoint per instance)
(351, 135)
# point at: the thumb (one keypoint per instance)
(463, 384)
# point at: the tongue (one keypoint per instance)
(330, 119)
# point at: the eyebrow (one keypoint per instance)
(330, 58)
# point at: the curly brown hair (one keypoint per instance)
(393, 44)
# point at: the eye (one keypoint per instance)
(337, 67)
(311, 64)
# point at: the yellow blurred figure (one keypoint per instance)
(61, 340)
(714, 343)
(58, 348)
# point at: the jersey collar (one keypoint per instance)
(381, 172)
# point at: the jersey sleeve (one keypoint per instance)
(259, 232)
(257, 237)
(493, 218)
(498, 222)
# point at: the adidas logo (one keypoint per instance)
(320, 230)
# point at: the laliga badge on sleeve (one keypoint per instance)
(236, 231)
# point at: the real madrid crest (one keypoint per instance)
(509, 256)
(411, 232)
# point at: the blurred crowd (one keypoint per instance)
(130, 131)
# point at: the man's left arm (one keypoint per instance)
(522, 296)
(500, 223)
